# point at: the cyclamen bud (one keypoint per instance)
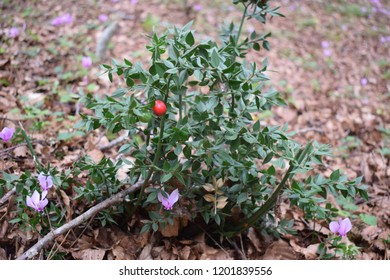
(45, 181)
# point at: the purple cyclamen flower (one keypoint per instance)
(384, 39)
(376, 2)
(86, 61)
(45, 181)
(37, 202)
(61, 20)
(363, 81)
(7, 133)
(327, 52)
(384, 11)
(325, 44)
(56, 21)
(133, 2)
(341, 227)
(169, 200)
(103, 17)
(198, 7)
(13, 32)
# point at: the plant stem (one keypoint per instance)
(241, 24)
(158, 151)
(233, 104)
(157, 156)
(30, 147)
(180, 107)
(301, 155)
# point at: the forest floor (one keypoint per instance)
(329, 59)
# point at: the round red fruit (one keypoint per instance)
(159, 108)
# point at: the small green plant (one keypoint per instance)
(338, 249)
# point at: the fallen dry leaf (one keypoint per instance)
(146, 253)
(66, 200)
(185, 252)
(279, 250)
(381, 243)
(310, 252)
(21, 151)
(210, 253)
(89, 254)
(370, 233)
(170, 230)
(253, 237)
(96, 155)
(3, 255)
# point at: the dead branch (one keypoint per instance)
(104, 39)
(4, 151)
(5, 198)
(34, 250)
(115, 142)
(307, 129)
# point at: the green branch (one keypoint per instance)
(158, 151)
(299, 158)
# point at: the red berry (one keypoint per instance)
(159, 108)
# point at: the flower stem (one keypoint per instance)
(30, 147)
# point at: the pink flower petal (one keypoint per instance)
(86, 61)
(103, 17)
(14, 32)
(43, 203)
(160, 197)
(29, 202)
(35, 198)
(43, 195)
(345, 227)
(198, 7)
(173, 197)
(45, 181)
(334, 227)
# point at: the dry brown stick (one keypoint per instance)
(115, 142)
(34, 250)
(51, 254)
(307, 129)
(5, 198)
(20, 145)
(82, 232)
(104, 39)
